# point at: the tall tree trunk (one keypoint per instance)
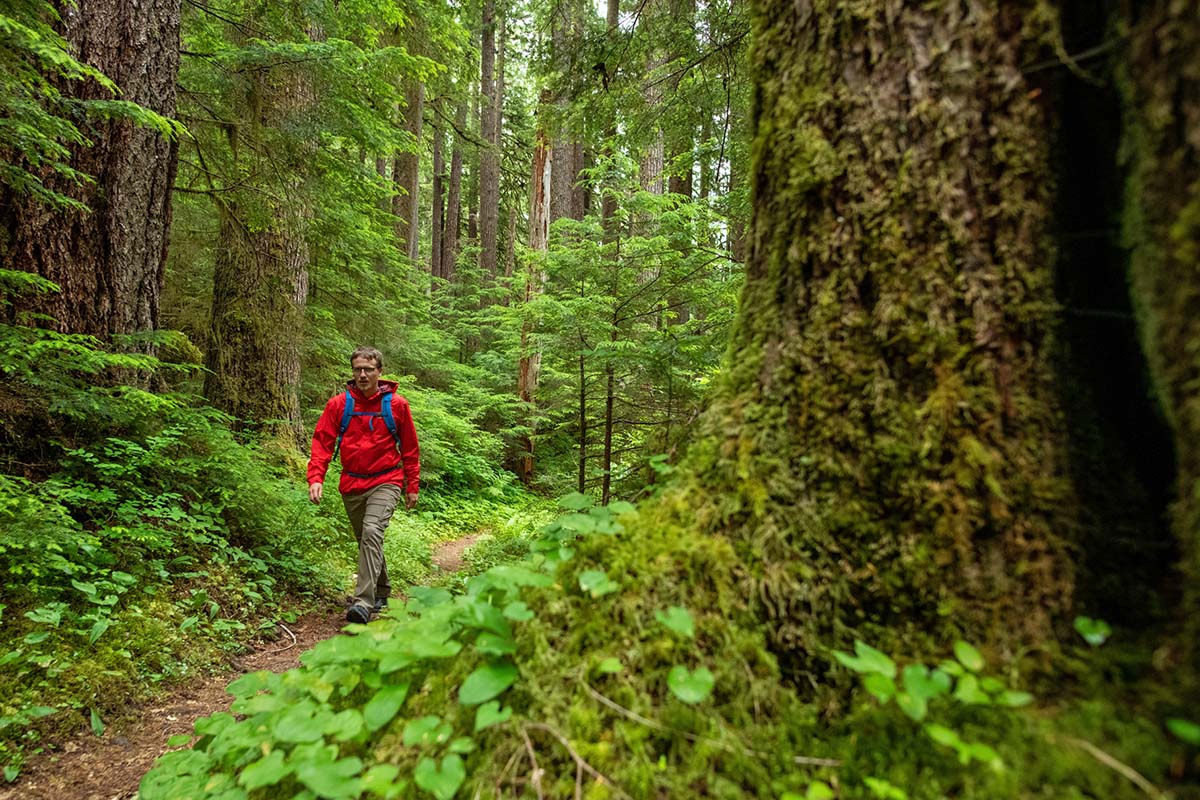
(454, 199)
(260, 287)
(108, 262)
(489, 153)
(406, 172)
(529, 367)
(437, 215)
(886, 441)
(1161, 87)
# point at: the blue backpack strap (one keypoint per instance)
(385, 409)
(347, 413)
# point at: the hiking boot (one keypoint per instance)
(358, 613)
(380, 604)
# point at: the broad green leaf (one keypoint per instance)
(332, 781)
(866, 660)
(609, 665)
(575, 501)
(943, 735)
(380, 780)
(1094, 631)
(819, 790)
(463, 744)
(596, 583)
(11, 772)
(425, 731)
(490, 644)
(442, 781)
(982, 752)
(97, 723)
(968, 691)
(486, 682)
(36, 637)
(298, 723)
(250, 683)
(920, 683)
(1184, 730)
(344, 725)
(582, 523)
(913, 705)
(883, 790)
(677, 619)
(382, 708)
(1014, 699)
(518, 612)
(267, 771)
(690, 687)
(490, 714)
(98, 629)
(968, 656)
(179, 739)
(881, 687)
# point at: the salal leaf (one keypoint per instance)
(383, 707)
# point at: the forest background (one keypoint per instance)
(956, 412)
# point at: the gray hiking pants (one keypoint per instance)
(370, 513)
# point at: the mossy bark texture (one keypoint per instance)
(886, 447)
(1160, 83)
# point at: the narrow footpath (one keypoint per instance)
(110, 767)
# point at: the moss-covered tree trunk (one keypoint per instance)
(886, 448)
(108, 261)
(1160, 83)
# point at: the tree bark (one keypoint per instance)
(489, 153)
(529, 366)
(108, 262)
(1161, 93)
(454, 198)
(437, 215)
(406, 172)
(886, 444)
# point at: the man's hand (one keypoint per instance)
(410, 501)
(314, 491)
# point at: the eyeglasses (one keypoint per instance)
(364, 370)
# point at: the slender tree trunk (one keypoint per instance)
(489, 153)
(406, 172)
(610, 393)
(583, 419)
(888, 423)
(529, 367)
(454, 200)
(1161, 88)
(439, 207)
(108, 262)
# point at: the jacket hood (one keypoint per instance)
(384, 386)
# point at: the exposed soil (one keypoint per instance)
(111, 767)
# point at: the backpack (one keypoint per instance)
(385, 411)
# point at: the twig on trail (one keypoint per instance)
(580, 764)
(288, 631)
(535, 777)
(1118, 766)
(633, 715)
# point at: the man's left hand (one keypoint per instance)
(410, 501)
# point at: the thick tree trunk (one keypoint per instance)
(406, 172)
(108, 262)
(886, 443)
(1161, 87)
(260, 287)
(489, 153)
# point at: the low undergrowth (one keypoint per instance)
(625, 663)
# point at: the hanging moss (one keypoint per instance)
(1160, 85)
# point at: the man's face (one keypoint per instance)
(366, 375)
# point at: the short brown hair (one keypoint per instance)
(363, 351)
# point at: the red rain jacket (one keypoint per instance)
(367, 445)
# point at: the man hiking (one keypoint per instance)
(372, 427)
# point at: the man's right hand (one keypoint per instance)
(314, 492)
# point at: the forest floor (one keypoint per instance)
(110, 767)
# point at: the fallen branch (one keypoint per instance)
(580, 764)
(1119, 767)
(288, 631)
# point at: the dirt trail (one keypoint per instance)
(111, 767)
